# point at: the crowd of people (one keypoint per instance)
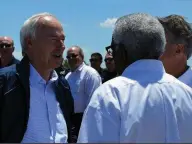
(143, 95)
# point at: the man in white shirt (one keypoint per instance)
(83, 80)
(178, 48)
(138, 106)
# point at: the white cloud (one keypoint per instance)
(108, 23)
(17, 54)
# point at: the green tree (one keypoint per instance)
(65, 64)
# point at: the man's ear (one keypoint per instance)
(12, 49)
(180, 48)
(28, 42)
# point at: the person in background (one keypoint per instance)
(36, 106)
(178, 48)
(96, 61)
(6, 52)
(144, 104)
(110, 71)
(62, 70)
(83, 80)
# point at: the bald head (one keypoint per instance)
(75, 57)
(6, 50)
(78, 49)
(6, 39)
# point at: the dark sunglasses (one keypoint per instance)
(93, 60)
(71, 56)
(113, 47)
(4, 45)
(109, 49)
(108, 59)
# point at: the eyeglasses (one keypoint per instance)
(4, 45)
(71, 56)
(93, 60)
(109, 59)
(109, 49)
(113, 48)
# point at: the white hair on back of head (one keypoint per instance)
(142, 35)
(29, 28)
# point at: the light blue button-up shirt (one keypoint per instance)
(186, 78)
(46, 122)
(144, 105)
(83, 82)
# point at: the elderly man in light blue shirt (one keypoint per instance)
(144, 104)
(83, 80)
(36, 105)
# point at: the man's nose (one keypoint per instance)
(60, 44)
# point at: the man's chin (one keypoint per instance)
(56, 66)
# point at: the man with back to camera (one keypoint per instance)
(36, 105)
(6, 52)
(178, 48)
(83, 80)
(144, 104)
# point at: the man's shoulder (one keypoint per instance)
(90, 71)
(8, 71)
(16, 61)
(117, 84)
(64, 82)
(120, 81)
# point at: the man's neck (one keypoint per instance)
(7, 62)
(75, 68)
(181, 71)
(111, 70)
(44, 73)
(99, 69)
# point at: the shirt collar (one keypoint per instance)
(187, 76)
(144, 67)
(79, 68)
(35, 77)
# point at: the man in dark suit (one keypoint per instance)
(6, 52)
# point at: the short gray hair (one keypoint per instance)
(141, 34)
(179, 31)
(29, 28)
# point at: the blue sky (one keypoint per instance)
(87, 23)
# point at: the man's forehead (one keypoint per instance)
(73, 50)
(95, 56)
(6, 40)
(50, 26)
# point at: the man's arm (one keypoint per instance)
(91, 84)
(101, 120)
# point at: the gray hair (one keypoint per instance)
(142, 36)
(29, 28)
(179, 31)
